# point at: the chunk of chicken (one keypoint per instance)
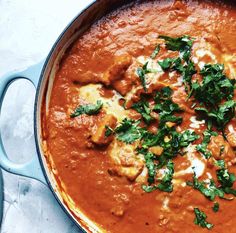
(231, 137)
(89, 77)
(99, 137)
(157, 150)
(125, 161)
(220, 148)
(114, 72)
(117, 69)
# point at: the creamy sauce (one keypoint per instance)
(104, 181)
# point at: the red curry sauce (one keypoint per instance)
(103, 176)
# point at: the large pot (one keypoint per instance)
(42, 76)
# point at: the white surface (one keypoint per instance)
(28, 28)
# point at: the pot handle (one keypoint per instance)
(31, 168)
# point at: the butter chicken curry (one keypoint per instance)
(141, 131)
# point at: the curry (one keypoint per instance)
(141, 129)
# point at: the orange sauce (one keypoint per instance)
(114, 202)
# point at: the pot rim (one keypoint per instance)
(36, 111)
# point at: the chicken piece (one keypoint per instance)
(114, 72)
(221, 149)
(117, 69)
(125, 161)
(157, 150)
(89, 77)
(99, 137)
(118, 211)
(123, 86)
(231, 137)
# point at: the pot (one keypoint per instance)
(42, 76)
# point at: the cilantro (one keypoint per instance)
(165, 184)
(155, 52)
(226, 179)
(202, 148)
(141, 73)
(129, 131)
(109, 131)
(149, 158)
(215, 86)
(221, 116)
(166, 63)
(220, 163)
(200, 219)
(89, 109)
(187, 137)
(149, 189)
(164, 118)
(210, 191)
(166, 137)
(164, 94)
(182, 44)
(171, 148)
(166, 107)
(171, 63)
(143, 108)
(216, 207)
(214, 89)
(188, 71)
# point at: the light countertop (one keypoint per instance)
(28, 29)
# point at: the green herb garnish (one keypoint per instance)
(202, 148)
(215, 86)
(220, 116)
(89, 109)
(109, 131)
(143, 108)
(165, 184)
(200, 219)
(210, 190)
(226, 179)
(155, 52)
(216, 207)
(141, 73)
(171, 63)
(129, 131)
(182, 44)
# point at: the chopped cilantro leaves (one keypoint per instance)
(129, 131)
(165, 184)
(155, 52)
(182, 44)
(202, 148)
(109, 131)
(226, 179)
(187, 137)
(216, 207)
(149, 158)
(210, 190)
(141, 73)
(219, 116)
(171, 63)
(143, 108)
(200, 219)
(89, 109)
(166, 107)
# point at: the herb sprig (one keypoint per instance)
(200, 219)
(89, 109)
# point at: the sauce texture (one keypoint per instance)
(123, 59)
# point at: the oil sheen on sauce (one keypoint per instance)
(104, 179)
